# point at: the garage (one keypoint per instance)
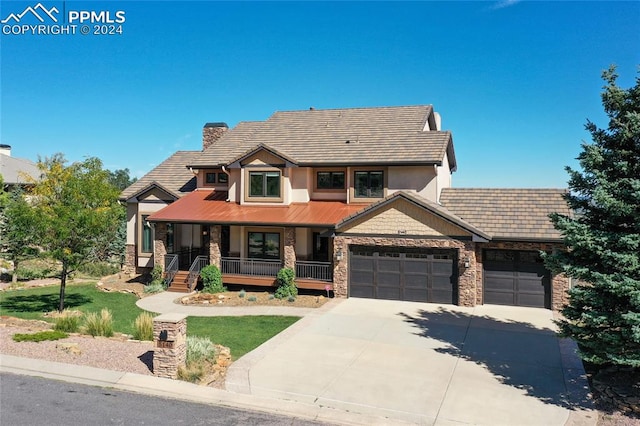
(419, 275)
(516, 278)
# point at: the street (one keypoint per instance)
(26, 400)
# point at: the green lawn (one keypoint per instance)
(240, 334)
(33, 302)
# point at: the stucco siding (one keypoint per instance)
(413, 178)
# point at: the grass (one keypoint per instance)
(32, 303)
(240, 334)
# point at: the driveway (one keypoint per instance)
(423, 363)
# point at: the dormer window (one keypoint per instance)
(264, 184)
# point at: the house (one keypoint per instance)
(359, 200)
(16, 171)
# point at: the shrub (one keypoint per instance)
(40, 336)
(242, 294)
(252, 298)
(143, 327)
(212, 279)
(271, 297)
(68, 321)
(156, 273)
(154, 287)
(101, 325)
(291, 299)
(200, 356)
(98, 269)
(285, 280)
(34, 273)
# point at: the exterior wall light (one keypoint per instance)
(339, 255)
(467, 262)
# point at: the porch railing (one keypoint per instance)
(170, 268)
(321, 271)
(194, 271)
(251, 267)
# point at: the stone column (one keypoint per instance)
(170, 337)
(340, 270)
(160, 244)
(467, 281)
(215, 255)
(129, 266)
(290, 248)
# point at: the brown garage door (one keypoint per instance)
(402, 274)
(516, 278)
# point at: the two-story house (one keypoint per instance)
(359, 200)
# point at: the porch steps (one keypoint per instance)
(180, 283)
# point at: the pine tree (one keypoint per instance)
(602, 236)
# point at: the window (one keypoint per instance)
(170, 238)
(264, 184)
(210, 178)
(369, 184)
(147, 236)
(330, 180)
(223, 178)
(264, 245)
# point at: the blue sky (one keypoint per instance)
(514, 81)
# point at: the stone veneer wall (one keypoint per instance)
(559, 282)
(159, 244)
(215, 256)
(467, 277)
(290, 248)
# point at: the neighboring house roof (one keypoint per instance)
(210, 207)
(13, 169)
(430, 206)
(513, 214)
(171, 176)
(352, 136)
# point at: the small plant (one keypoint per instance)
(143, 327)
(101, 325)
(252, 298)
(40, 336)
(272, 296)
(242, 294)
(154, 287)
(200, 356)
(156, 273)
(291, 299)
(285, 280)
(212, 279)
(68, 321)
(98, 269)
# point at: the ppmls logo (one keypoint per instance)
(40, 20)
(16, 18)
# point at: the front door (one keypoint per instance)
(320, 248)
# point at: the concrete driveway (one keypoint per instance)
(423, 363)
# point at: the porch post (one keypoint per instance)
(215, 256)
(290, 248)
(160, 244)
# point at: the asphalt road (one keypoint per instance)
(26, 400)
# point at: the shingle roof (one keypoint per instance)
(386, 135)
(516, 214)
(12, 169)
(434, 208)
(171, 175)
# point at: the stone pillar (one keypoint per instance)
(129, 266)
(170, 337)
(160, 244)
(290, 248)
(340, 272)
(215, 256)
(467, 281)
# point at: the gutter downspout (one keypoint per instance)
(224, 170)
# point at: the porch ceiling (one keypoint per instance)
(211, 207)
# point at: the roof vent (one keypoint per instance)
(312, 108)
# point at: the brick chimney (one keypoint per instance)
(211, 133)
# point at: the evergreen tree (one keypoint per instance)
(603, 235)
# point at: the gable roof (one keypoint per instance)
(351, 136)
(12, 169)
(430, 206)
(513, 214)
(171, 176)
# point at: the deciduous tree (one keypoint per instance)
(603, 235)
